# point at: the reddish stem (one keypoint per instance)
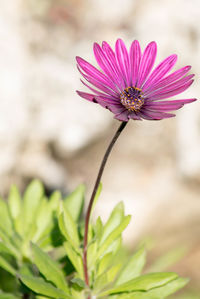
(87, 218)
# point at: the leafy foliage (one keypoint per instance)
(41, 248)
(33, 217)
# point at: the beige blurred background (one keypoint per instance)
(48, 132)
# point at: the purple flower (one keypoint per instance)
(127, 86)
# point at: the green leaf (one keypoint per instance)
(114, 246)
(168, 289)
(74, 202)
(69, 228)
(4, 248)
(49, 268)
(77, 294)
(79, 282)
(133, 267)
(91, 255)
(5, 219)
(32, 198)
(8, 296)
(9, 243)
(45, 216)
(14, 202)
(26, 269)
(114, 220)
(6, 266)
(75, 258)
(104, 263)
(167, 260)
(98, 229)
(114, 235)
(106, 278)
(144, 283)
(54, 200)
(39, 286)
(158, 293)
(99, 189)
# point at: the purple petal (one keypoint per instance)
(107, 103)
(107, 65)
(134, 115)
(171, 90)
(97, 92)
(88, 96)
(135, 57)
(99, 85)
(123, 60)
(116, 108)
(147, 62)
(153, 115)
(163, 68)
(123, 116)
(108, 100)
(171, 78)
(166, 107)
(91, 71)
(111, 57)
(171, 86)
(163, 103)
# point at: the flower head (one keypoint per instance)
(127, 85)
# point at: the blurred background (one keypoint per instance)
(48, 132)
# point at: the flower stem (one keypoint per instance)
(87, 219)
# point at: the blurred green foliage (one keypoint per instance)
(41, 248)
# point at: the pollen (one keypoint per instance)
(132, 98)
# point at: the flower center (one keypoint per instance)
(132, 98)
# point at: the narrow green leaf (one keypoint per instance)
(114, 220)
(92, 254)
(99, 189)
(167, 260)
(8, 296)
(14, 202)
(114, 235)
(157, 293)
(114, 246)
(74, 202)
(4, 248)
(10, 244)
(79, 282)
(104, 263)
(49, 268)
(54, 200)
(32, 198)
(26, 269)
(69, 228)
(45, 216)
(133, 267)
(6, 266)
(39, 286)
(98, 229)
(5, 220)
(144, 283)
(112, 272)
(77, 294)
(105, 279)
(75, 259)
(168, 289)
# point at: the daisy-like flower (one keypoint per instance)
(127, 85)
